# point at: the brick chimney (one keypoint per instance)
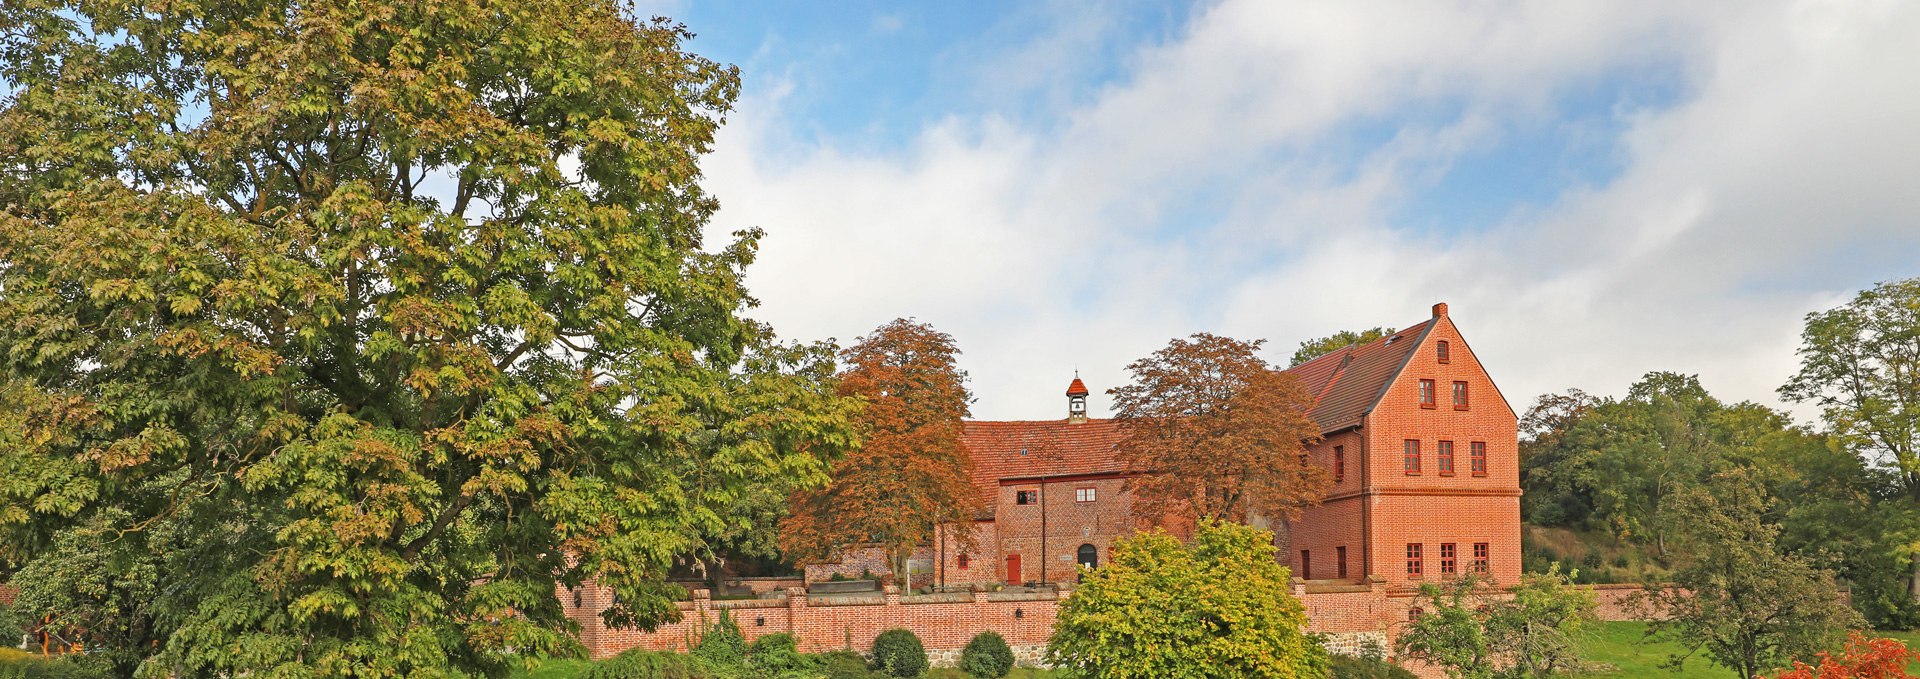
(1440, 310)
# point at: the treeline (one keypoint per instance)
(1841, 495)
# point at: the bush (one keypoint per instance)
(638, 664)
(16, 664)
(723, 645)
(1355, 667)
(844, 665)
(10, 628)
(898, 653)
(987, 656)
(779, 655)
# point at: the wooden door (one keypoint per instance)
(1013, 569)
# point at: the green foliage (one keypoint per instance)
(1473, 630)
(1592, 464)
(1742, 601)
(1358, 667)
(16, 665)
(1857, 363)
(93, 589)
(12, 626)
(1218, 607)
(778, 655)
(349, 426)
(723, 645)
(898, 653)
(1315, 348)
(638, 664)
(845, 665)
(986, 656)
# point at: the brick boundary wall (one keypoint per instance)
(1350, 615)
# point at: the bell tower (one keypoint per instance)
(1076, 400)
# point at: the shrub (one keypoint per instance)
(779, 655)
(20, 665)
(1356, 667)
(844, 665)
(723, 645)
(986, 656)
(1221, 602)
(898, 653)
(638, 664)
(10, 628)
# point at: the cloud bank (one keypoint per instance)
(1287, 170)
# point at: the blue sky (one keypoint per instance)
(1598, 190)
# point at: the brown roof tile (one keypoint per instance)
(1347, 383)
(1035, 448)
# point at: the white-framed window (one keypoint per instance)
(1086, 494)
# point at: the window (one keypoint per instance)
(1413, 457)
(1478, 452)
(1449, 564)
(1480, 557)
(1085, 494)
(1339, 463)
(1413, 615)
(1443, 457)
(1306, 564)
(963, 560)
(1440, 352)
(576, 598)
(1026, 497)
(1426, 393)
(1413, 560)
(1340, 562)
(1459, 396)
(1089, 556)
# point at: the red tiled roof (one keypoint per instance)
(1347, 383)
(1035, 448)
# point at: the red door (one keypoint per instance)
(1013, 569)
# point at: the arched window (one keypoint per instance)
(1089, 556)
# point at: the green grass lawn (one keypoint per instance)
(1623, 645)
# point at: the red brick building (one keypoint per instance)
(1421, 444)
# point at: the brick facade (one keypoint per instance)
(1054, 494)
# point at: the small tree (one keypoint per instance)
(987, 656)
(1219, 607)
(1216, 432)
(912, 473)
(1472, 630)
(1748, 606)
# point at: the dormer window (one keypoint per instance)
(1440, 351)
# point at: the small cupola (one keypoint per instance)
(1077, 400)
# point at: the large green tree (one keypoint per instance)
(1218, 607)
(1860, 363)
(366, 322)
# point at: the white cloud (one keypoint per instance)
(1188, 196)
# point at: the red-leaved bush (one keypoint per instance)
(1863, 658)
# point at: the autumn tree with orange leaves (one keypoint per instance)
(1216, 432)
(912, 472)
(1863, 658)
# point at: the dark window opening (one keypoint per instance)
(1440, 350)
(1026, 497)
(1089, 556)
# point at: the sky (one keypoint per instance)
(1597, 189)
